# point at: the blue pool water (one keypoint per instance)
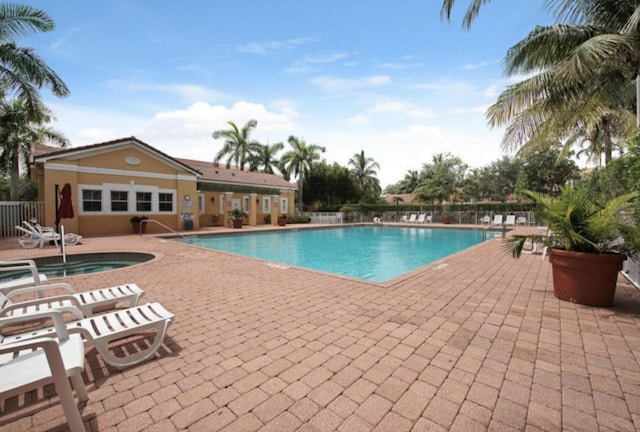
(373, 253)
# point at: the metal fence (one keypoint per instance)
(457, 217)
(631, 271)
(12, 213)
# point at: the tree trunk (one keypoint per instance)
(15, 177)
(606, 138)
(300, 182)
(638, 98)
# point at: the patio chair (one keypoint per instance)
(412, 218)
(510, 220)
(421, 218)
(429, 219)
(497, 220)
(30, 364)
(20, 265)
(31, 237)
(486, 219)
(101, 330)
(521, 221)
(88, 302)
(403, 218)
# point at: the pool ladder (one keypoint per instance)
(162, 225)
(493, 230)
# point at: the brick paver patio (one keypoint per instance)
(473, 342)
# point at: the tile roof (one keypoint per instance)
(222, 174)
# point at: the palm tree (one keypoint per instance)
(237, 145)
(470, 15)
(21, 70)
(264, 159)
(364, 170)
(582, 89)
(20, 128)
(298, 161)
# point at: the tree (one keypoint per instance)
(330, 186)
(443, 179)
(298, 161)
(21, 70)
(264, 159)
(237, 147)
(364, 170)
(20, 128)
(470, 15)
(542, 172)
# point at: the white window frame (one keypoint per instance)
(131, 188)
(266, 205)
(284, 205)
(245, 203)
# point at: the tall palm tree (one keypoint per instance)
(582, 88)
(469, 16)
(298, 161)
(20, 128)
(237, 146)
(264, 159)
(21, 70)
(364, 170)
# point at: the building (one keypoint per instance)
(113, 181)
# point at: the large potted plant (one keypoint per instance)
(236, 216)
(587, 242)
(137, 226)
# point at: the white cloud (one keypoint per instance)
(329, 83)
(266, 47)
(186, 92)
(310, 63)
(473, 66)
(359, 120)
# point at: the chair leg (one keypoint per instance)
(102, 346)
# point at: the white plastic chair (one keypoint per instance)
(497, 220)
(421, 218)
(88, 302)
(101, 330)
(403, 218)
(429, 219)
(30, 364)
(36, 278)
(510, 220)
(412, 218)
(521, 221)
(486, 219)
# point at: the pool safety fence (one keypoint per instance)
(12, 213)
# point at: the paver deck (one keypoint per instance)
(474, 342)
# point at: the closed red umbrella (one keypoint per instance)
(65, 210)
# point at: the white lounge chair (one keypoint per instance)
(101, 330)
(88, 302)
(30, 364)
(429, 219)
(403, 218)
(36, 278)
(497, 220)
(412, 218)
(32, 238)
(486, 219)
(521, 221)
(510, 220)
(47, 234)
(421, 218)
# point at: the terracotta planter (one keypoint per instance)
(137, 226)
(237, 223)
(282, 220)
(446, 220)
(585, 278)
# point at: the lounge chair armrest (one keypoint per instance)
(75, 308)
(54, 315)
(30, 265)
(40, 289)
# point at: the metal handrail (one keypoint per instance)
(162, 225)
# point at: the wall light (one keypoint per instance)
(213, 199)
(257, 200)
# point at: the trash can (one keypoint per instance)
(188, 225)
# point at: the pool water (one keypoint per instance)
(372, 253)
(79, 264)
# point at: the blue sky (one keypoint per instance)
(387, 77)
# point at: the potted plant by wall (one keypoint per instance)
(587, 242)
(138, 228)
(236, 216)
(446, 217)
(282, 220)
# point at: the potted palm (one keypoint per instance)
(236, 216)
(587, 242)
(137, 226)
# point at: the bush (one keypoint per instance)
(298, 219)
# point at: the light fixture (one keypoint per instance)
(213, 199)
(257, 200)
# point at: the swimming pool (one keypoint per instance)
(374, 253)
(78, 264)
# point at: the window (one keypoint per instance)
(165, 202)
(91, 200)
(143, 201)
(245, 204)
(119, 201)
(266, 205)
(284, 204)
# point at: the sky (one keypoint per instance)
(387, 77)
